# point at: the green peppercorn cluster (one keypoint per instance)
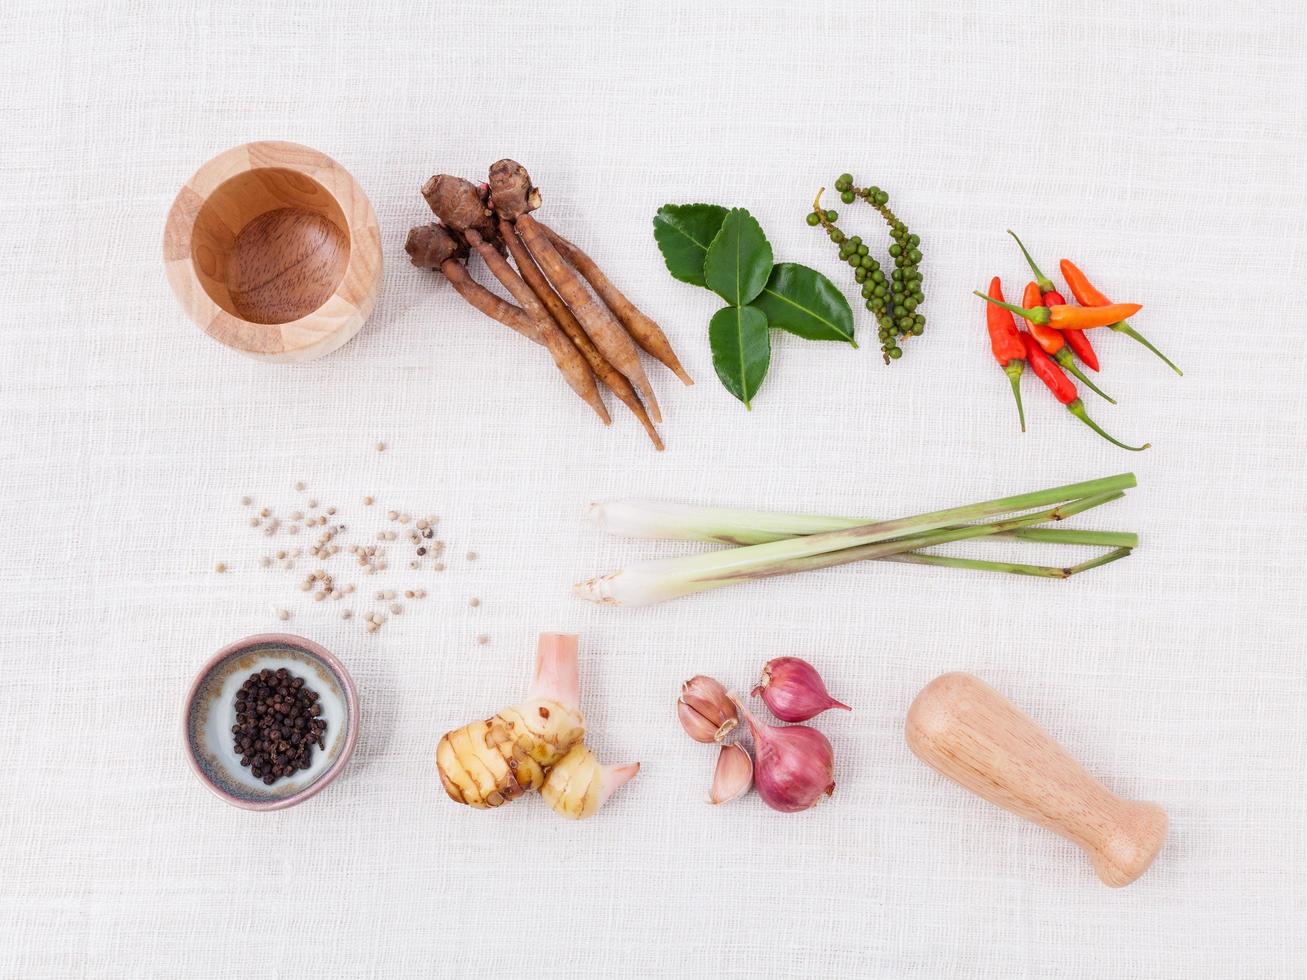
(892, 302)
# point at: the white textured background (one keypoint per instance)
(1162, 144)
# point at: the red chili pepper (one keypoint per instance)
(1064, 317)
(1086, 295)
(1054, 342)
(1064, 391)
(1005, 341)
(1077, 340)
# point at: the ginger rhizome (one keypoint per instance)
(560, 298)
(580, 784)
(535, 745)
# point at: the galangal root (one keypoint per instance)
(592, 340)
(535, 745)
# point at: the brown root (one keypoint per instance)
(606, 373)
(608, 335)
(433, 247)
(567, 358)
(459, 204)
(428, 246)
(511, 191)
(642, 329)
(487, 302)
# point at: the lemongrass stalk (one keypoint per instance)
(1069, 535)
(656, 581)
(635, 518)
(945, 535)
(1072, 535)
(654, 519)
(1098, 562)
(945, 561)
(1012, 568)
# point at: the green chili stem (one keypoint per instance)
(1125, 328)
(1013, 369)
(1035, 314)
(1077, 408)
(1064, 358)
(1046, 284)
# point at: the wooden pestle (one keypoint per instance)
(963, 728)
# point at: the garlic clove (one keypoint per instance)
(708, 695)
(706, 710)
(696, 725)
(733, 776)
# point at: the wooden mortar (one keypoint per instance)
(274, 250)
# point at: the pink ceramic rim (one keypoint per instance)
(351, 705)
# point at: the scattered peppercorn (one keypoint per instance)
(371, 559)
(277, 724)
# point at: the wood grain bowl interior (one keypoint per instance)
(289, 253)
(274, 250)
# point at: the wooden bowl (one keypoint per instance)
(274, 250)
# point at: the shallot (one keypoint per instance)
(795, 765)
(793, 690)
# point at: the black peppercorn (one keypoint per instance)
(277, 724)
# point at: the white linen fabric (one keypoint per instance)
(1160, 144)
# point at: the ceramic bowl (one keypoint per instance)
(274, 250)
(210, 713)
